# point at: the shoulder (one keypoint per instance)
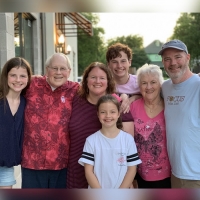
(22, 99)
(133, 77)
(196, 78)
(126, 135)
(167, 82)
(93, 136)
(136, 102)
(38, 79)
(71, 85)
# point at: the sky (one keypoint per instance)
(150, 26)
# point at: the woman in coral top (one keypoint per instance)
(150, 131)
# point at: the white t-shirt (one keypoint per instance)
(110, 157)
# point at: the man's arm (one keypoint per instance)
(90, 176)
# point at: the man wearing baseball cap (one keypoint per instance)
(182, 114)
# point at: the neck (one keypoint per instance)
(93, 99)
(13, 95)
(122, 80)
(110, 132)
(186, 76)
(153, 102)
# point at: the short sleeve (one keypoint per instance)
(87, 154)
(132, 155)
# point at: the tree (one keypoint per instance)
(90, 48)
(187, 29)
(135, 42)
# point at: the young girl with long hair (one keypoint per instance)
(15, 78)
(109, 155)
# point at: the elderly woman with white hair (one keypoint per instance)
(150, 131)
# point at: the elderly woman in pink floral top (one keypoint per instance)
(150, 130)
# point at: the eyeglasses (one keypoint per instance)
(55, 69)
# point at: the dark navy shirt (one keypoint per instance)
(11, 133)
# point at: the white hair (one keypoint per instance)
(150, 69)
(49, 59)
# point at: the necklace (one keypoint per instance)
(153, 109)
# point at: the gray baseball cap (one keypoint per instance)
(176, 44)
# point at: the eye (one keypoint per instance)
(166, 59)
(23, 76)
(63, 69)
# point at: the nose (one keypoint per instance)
(107, 114)
(119, 64)
(97, 79)
(173, 61)
(58, 71)
(18, 78)
(148, 85)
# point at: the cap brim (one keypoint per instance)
(161, 52)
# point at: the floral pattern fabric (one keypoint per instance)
(47, 115)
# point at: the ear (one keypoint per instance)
(46, 71)
(69, 73)
(129, 62)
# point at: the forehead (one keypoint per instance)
(58, 60)
(97, 71)
(171, 51)
(149, 76)
(108, 104)
(17, 69)
(123, 56)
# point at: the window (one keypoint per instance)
(24, 36)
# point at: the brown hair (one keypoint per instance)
(110, 98)
(114, 51)
(84, 91)
(12, 63)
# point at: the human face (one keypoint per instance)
(108, 114)
(176, 64)
(120, 66)
(58, 71)
(97, 82)
(150, 87)
(17, 79)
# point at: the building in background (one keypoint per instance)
(36, 36)
(152, 53)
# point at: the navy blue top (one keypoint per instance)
(11, 133)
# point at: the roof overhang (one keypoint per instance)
(83, 25)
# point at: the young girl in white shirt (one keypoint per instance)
(109, 155)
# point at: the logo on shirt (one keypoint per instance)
(122, 159)
(62, 99)
(175, 100)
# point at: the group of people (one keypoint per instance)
(112, 128)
